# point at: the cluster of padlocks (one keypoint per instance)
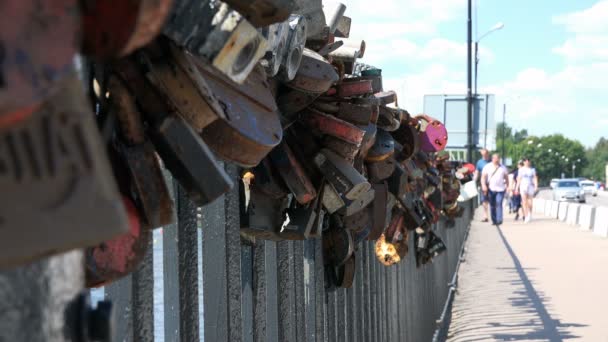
(272, 86)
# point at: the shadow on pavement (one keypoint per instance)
(549, 328)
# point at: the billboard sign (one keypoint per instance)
(452, 111)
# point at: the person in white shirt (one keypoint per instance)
(494, 181)
(527, 183)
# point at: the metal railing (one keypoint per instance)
(206, 284)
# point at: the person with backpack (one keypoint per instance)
(494, 182)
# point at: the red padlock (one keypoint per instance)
(118, 257)
(114, 28)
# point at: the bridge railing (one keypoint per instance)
(201, 282)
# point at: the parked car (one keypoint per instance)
(553, 183)
(569, 190)
(589, 187)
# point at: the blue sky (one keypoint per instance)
(549, 63)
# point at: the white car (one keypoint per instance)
(589, 187)
(553, 183)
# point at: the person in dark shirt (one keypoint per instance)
(483, 198)
(515, 195)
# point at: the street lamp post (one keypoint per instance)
(470, 144)
(496, 27)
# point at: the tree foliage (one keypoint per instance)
(552, 155)
(597, 158)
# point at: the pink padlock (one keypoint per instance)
(432, 134)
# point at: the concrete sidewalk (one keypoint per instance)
(542, 281)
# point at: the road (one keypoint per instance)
(601, 200)
(542, 281)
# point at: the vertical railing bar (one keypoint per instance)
(170, 273)
(143, 298)
(341, 314)
(300, 303)
(286, 291)
(321, 316)
(272, 292)
(119, 292)
(247, 301)
(259, 292)
(310, 294)
(187, 251)
(233, 255)
(215, 293)
(375, 296)
(368, 312)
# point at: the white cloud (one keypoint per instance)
(590, 20)
(589, 29)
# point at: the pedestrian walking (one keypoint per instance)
(527, 183)
(515, 195)
(494, 182)
(481, 163)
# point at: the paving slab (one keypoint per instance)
(541, 281)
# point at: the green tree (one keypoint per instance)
(597, 157)
(553, 155)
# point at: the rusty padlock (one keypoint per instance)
(341, 276)
(386, 97)
(119, 256)
(266, 180)
(58, 191)
(407, 137)
(293, 174)
(428, 246)
(251, 128)
(354, 206)
(174, 74)
(358, 114)
(136, 166)
(190, 160)
(344, 149)
(221, 36)
(432, 134)
(383, 148)
(315, 74)
(331, 125)
(380, 170)
(369, 139)
(291, 102)
(263, 12)
(359, 223)
(389, 119)
(181, 148)
(341, 175)
(116, 28)
(338, 245)
(354, 87)
(379, 208)
(331, 199)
